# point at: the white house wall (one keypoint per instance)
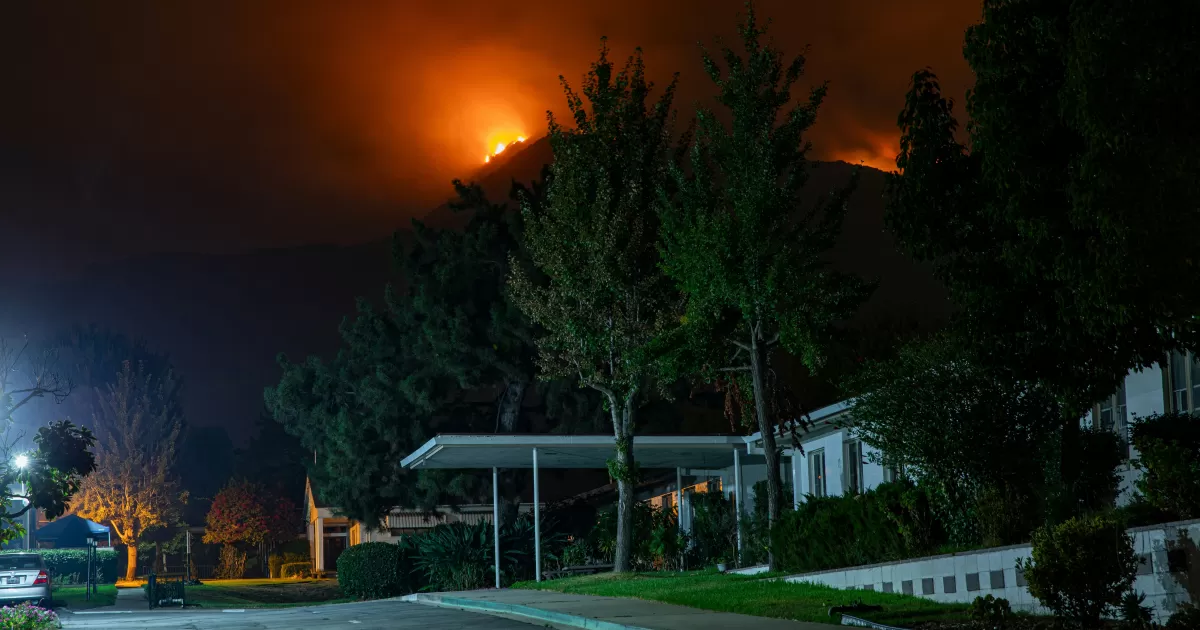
(831, 444)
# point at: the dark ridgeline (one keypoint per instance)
(224, 318)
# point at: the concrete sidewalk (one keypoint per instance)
(603, 613)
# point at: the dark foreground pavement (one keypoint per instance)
(377, 614)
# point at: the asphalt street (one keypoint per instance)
(358, 616)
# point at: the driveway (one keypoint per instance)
(377, 614)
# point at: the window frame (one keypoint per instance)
(1190, 382)
(815, 456)
(855, 485)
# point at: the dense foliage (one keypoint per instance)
(890, 522)
(604, 300)
(245, 512)
(135, 486)
(751, 263)
(954, 425)
(1081, 569)
(374, 569)
(25, 616)
(1059, 225)
(714, 529)
(1168, 448)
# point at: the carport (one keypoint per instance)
(702, 452)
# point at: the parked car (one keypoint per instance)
(24, 578)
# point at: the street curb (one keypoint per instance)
(847, 620)
(548, 616)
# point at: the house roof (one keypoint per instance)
(820, 418)
(576, 451)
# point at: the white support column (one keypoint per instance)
(796, 464)
(679, 498)
(319, 537)
(737, 498)
(537, 522)
(496, 521)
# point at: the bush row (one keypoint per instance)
(69, 566)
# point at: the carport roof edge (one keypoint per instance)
(576, 451)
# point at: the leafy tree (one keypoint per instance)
(753, 265)
(466, 330)
(61, 457)
(247, 513)
(594, 238)
(1063, 225)
(135, 487)
(955, 425)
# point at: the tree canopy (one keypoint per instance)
(1063, 225)
(135, 486)
(595, 239)
(750, 260)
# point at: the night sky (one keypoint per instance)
(148, 149)
(136, 127)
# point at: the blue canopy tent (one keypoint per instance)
(72, 531)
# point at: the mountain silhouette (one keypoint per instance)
(224, 318)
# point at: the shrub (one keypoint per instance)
(276, 561)
(1187, 617)
(297, 569)
(1081, 568)
(28, 617)
(458, 556)
(833, 532)
(69, 566)
(232, 563)
(371, 570)
(1169, 455)
(1135, 615)
(714, 529)
(1097, 455)
(993, 611)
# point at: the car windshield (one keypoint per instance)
(20, 562)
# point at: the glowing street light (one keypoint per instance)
(22, 461)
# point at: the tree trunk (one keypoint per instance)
(508, 419)
(623, 415)
(508, 412)
(767, 430)
(131, 570)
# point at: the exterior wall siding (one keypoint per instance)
(961, 577)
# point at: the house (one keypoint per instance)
(337, 532)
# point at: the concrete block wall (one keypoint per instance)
(961, 577)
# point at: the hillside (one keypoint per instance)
(225, 318)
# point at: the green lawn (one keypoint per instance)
(263, 593)
(75, 598)
(754, 595)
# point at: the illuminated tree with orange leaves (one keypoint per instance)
(134, 486)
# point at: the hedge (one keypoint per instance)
(69, 566)
(890, 522)
(376, 569)
(295, 569)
